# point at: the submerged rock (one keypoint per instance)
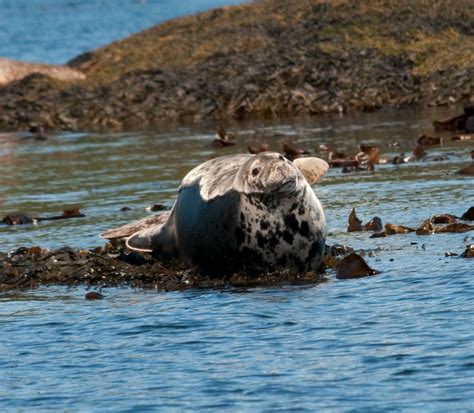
(354, 266)
(468, 252)
(468, 215)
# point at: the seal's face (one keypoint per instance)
(270, 173)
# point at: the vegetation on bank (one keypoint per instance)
(267, 58)
(435, 35)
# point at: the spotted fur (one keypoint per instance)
(243, 212)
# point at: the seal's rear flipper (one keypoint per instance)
(312, 168)
(146, 240)
(125, 231)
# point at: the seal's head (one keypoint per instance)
(269, 172)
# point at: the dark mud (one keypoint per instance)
(266, 59)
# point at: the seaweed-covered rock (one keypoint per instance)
(268, 58)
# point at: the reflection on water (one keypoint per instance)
(103, 173)
(394, 342)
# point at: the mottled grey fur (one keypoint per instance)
(244, 212)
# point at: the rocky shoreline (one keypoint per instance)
(111, 266)
(265, 59)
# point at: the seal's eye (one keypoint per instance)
(255, 171)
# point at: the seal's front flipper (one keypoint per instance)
(127, 230)
(312, 168)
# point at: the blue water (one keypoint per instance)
(401, 341)
(55, 31)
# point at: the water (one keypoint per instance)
(55, 31)
(399, 341)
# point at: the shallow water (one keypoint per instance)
(399, 341)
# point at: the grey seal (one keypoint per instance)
(241, 213)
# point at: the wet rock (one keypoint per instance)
(425, 228)
(381, 234)
(354, 266)
(419, 152)
(112, 266)
(398, 159)
(450, 254)
(375, 224)
(443, 219)
(468, 252)
(259, 148)
(468, 215)
(467, 170)
(463, 137)
(125, 209)
(355, 224)
(72, 212)
(18, 218)
(450, 124)
(156, 207)
(425, 140)
(373, 153)
(457, 227)
(292, 150)
(392, 229)
(223, 138)
(94, 295)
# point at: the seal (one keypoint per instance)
(11, 70)
(243, 212)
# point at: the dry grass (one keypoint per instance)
(247, 28)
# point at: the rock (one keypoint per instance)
(293, 60)
(223, 138)
(425, 140)
(468, 215)
(454, 123)
(373, 153)
(392, 229)
(355, 224)
(375, 224)
(94, 295)
(381, 234)
(11, 70)
(458, 227)
(18, 218)
(467, 170)
(354, 266)
(156, 207)
(425, 228)
(259, 148)
(292, 150)
(443, 219)
(463, 137)
(469, 252)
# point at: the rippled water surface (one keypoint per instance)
(399, 341)
(55, 31)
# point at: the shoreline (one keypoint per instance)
(258, 61)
